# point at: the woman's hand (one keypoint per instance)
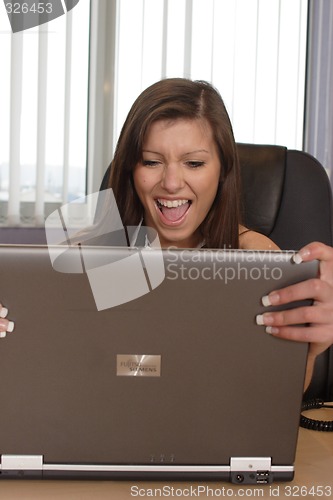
(318, 317)
(6, 326)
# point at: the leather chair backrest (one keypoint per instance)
(288, 197)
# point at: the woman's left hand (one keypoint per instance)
(318, 316)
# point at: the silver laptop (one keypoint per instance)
(143, 363)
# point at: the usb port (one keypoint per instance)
(263, 477)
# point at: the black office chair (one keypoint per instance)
(287, 196)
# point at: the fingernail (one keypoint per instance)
(2, 335)
(297, 258)
(272, 330)
(271, 299)
(260, 319)
(266, 301)
(3, 312)
(264, 319)
(10, 326)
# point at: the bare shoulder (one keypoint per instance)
(251, 240)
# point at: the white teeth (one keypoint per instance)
(172, 203)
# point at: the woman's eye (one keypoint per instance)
(150, 163)
(195, 164)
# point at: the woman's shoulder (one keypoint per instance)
(251, 240)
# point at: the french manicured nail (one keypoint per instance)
(10, 326)
(271, 299)
(260, 319)
(2, 335)
(299, 256)
(3, 312)
(266, 301)
(272, 330)
(264, 319)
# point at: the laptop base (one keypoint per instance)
(247, 470)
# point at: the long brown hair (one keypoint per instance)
(174, 98)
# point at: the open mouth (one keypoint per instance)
(173, 210)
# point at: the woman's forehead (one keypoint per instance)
(192, 126)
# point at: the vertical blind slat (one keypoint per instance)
(67, 114)
(318, 78)
(164, 39)
(41, 123)
(277, 72)
(15, 127)
(188, 38)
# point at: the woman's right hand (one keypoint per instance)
(6, 326)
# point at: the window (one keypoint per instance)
(253, 51)
(43, 120)
(56, 143)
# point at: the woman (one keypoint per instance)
(176, 168)
(177, 148)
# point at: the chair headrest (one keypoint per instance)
(262, 172)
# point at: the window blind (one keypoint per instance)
(253, 51)
(43, 119)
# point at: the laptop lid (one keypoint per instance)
(148, 363)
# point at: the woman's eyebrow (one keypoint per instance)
(196, 151)
(185, 154)
(150, 151)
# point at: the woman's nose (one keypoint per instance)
(173, 178)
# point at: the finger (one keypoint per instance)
(314, 250)
(6, 326)
(297, 316)
(315, 289)
(313, 334)
(321, 252)
(3, 311)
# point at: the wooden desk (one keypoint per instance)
(313, 479)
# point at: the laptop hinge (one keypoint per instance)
(256, 470)
(21, 465)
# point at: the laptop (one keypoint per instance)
(143, 363)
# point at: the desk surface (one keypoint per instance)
(313, 479)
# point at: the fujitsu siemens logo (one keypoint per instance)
(138, 365)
